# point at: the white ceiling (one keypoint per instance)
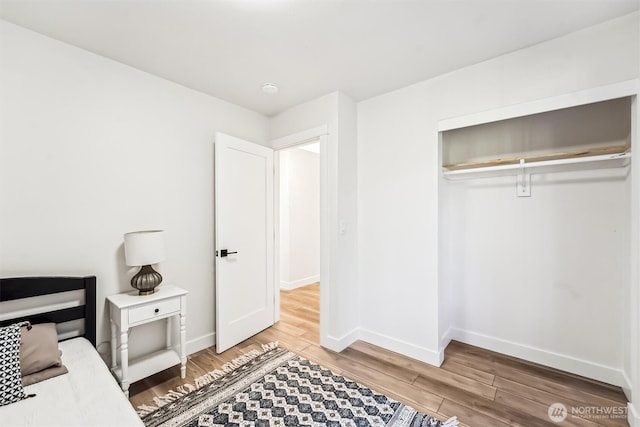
(229, 48)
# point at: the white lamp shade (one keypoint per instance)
(144, 247)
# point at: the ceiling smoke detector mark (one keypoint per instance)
(270, 88)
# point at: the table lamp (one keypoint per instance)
(143, 248)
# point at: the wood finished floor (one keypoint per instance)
(481, 387)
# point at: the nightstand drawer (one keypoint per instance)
(154, 309)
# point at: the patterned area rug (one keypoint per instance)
(279, 388)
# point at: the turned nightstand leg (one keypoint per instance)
(169, 333)
(114, 345)
(183, 345)
(124, 361)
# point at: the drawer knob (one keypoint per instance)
(157, 310)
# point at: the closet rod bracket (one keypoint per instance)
(523, 181)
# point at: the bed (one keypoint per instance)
(87, 395)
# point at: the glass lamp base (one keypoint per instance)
(146, 280)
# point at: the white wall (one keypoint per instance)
(91, 149)
(398, 210)
(299, 218)
(302, 117)
(345, 254)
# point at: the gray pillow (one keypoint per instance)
(39, 348)
(45, 374)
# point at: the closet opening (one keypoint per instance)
(536, 225)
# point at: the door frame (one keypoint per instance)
(317, 134)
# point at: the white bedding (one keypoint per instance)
(86, 396)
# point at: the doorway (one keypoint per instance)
(299, 216)
(298, 203)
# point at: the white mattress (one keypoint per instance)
(86, 396)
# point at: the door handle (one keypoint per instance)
(225, 252)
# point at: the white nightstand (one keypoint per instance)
(130, 309)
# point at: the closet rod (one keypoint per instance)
(518, 166)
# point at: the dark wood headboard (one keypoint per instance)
(26, 287)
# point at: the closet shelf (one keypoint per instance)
(549, 159)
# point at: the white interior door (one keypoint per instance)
(244, 240)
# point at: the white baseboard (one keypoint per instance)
(200, 343)
(339, 344)
(633, 415)
(287, 286)
(571, 364)
(411, 350)
(626, 388)
(444, 342)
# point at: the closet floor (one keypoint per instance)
(481, 387)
